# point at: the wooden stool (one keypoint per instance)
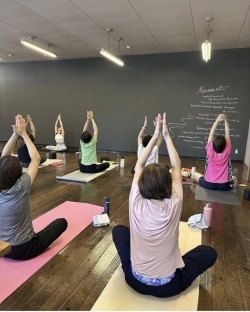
(4, 248)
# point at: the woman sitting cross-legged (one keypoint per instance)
(88, 160)
(22, 150)
(15, 217)
(149, 251)
(218, 168)
(59, 137)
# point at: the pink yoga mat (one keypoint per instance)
(14, 273)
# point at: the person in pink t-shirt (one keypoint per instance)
(218, 169)
(149, 249)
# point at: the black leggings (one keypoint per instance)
(39, 242)
(93, 168)
(197, 261)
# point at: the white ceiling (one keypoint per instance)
(77, 28)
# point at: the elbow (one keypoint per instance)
(38, 157)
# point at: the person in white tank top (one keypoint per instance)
(59, 137)
(143, 141)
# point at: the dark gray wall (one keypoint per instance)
(121, 97)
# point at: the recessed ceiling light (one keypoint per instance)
(128, 47)
(10, 54)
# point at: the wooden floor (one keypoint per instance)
(75, 277)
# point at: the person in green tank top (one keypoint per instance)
(88, 160)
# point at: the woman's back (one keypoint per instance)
(154, 234)
(22, 151)
(218, 165)
(15, 218)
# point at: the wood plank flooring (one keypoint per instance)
(74, 279)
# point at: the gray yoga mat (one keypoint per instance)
(222, 197)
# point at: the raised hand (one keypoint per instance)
(145, 122)
(155, 121)
(88, 115)
(165, 132)
(158, 123)
(59, 117)
(221, 117)
(20, 126)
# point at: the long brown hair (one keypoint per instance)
(155, 182)
(10, 171)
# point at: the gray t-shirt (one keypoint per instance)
(15, 218)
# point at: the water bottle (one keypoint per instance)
(122, 163)
(207, 213)
(106, 205)
(235, 174)
(80, 153)
(118, 159)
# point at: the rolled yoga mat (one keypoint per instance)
(14, 273)
(118, 296)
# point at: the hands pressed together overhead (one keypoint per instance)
(90, 115)
(160, 122)
(20, 126)
(221, 117)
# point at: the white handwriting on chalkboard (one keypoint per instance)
(178, 125)
(193, 130)
(220, 88)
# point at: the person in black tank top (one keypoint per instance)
(22, 150)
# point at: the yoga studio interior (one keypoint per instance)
(124, 60)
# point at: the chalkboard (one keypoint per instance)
(190, 134)
(192, 93)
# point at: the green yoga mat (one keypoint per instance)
(222, 197)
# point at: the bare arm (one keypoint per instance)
(91, 117)
(173, 155)
(146, 152)
(227, 131)
(140, 135)
(10, 145)
(32, 126)
(158, 143)
(211, 134)
(85, 128)
(20, 128)
(61, 124)
(56, 124)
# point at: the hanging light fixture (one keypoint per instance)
(206, 45)
(38, 48)
(108, 54)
